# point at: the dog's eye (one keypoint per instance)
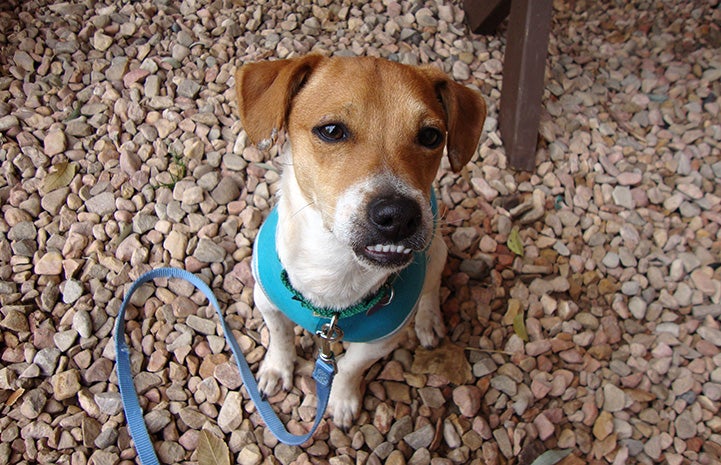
(430, 137)
(331, 132)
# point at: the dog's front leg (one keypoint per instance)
(346, 396)
(276, 370)
(429, 321)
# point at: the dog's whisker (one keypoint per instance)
(302, 208)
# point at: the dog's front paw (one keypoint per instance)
(429, 324)
(275, 373)
(345, 402)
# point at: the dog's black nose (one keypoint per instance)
(394, 217)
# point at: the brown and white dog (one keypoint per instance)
(366, 138)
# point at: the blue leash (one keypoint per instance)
(323, 374)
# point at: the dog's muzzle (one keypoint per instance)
(394, 231)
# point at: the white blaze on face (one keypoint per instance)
(351, 224)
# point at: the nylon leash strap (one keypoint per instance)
(323, 374)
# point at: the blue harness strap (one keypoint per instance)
(323, 374)
(379, 323)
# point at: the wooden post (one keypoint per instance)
(523, 79)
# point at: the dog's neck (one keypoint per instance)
(321, 268)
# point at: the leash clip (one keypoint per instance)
(328, 334)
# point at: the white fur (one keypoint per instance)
(320, 266)
(325, 270)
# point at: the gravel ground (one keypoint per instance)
(121, 151)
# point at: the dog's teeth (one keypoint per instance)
(389, 248)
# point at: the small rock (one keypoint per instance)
(176, 243)
(711, 335)
(702, 279)
(637, 306)
(420, 438)
(101, 457)
(460, 71)
(109, 403)
(125, 249)
(118, 67)
(623, 198)
(145, 381)
(156, 420)
(504, 384)
(102, 204)
(49, 264)
(231, 413)
(72, 290)
(201, 325)
(33, 403)
(64, 340)
(250, 455)
(540, 286)
(135, 75)
(47, 360)
(603, 426)
(8, 378)
(503, 441)
(83, 324)
(53, 201)
(107, 438)
(66, 384)
(23, 60)
(629, 178)
(686, 425)
(8, 122)
(545, 427)
(611, 260)
(226, 191)
(15, 321)
(188, 88)
(228, 375)
(209, 252)
(468, 399)
(463, 237)
(129, 162)
(55, 143)
(652, 447)
(170, 452)
(432, 397)
(614, 399)
(101, 41)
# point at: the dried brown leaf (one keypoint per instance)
(61, 176)
(212, 450)
(448, 361)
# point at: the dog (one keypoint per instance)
(365, 138)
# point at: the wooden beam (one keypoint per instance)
(484, 16)
(524, 69)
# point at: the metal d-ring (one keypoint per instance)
(328, 334)
(389, 297)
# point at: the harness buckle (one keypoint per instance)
(328, 334)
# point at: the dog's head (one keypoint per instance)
(367, 136)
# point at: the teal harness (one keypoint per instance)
(374, 318)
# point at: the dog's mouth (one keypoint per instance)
(386, 255)
(388, 249)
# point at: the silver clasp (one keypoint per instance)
(328, 334)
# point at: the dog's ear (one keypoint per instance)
(265, 91)
(465, 114)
